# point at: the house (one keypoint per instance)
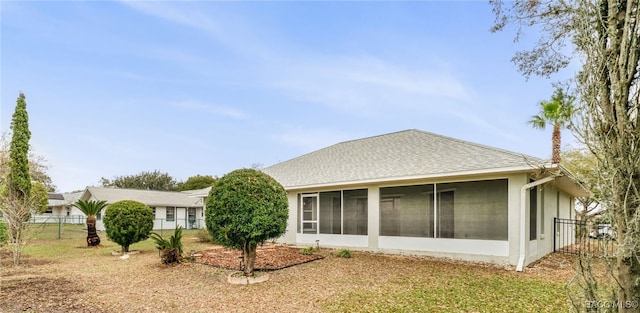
(414, 192)
(60, 209)
(170, 209)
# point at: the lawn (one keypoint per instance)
(62, 275)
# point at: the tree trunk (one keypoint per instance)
(249, 256)
(627, 264)
(555, 149)
(92, 235)
(125, 249)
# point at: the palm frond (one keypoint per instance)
(90, 207)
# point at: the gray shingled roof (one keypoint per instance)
(68, 198)
(409, 153)
(148, 197)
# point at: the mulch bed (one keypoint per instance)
(269, 257)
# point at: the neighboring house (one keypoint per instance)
(421, 193)
(61, 207)
(170, 209)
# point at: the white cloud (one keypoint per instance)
(368, 85)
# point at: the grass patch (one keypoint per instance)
(72, 243)
(457, 290)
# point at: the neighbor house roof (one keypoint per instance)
(395, 156)
(63, 199)
(148, 197)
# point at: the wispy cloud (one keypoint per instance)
(211, 109)
(228, 29)
(369, 85)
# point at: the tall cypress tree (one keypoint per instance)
(19, 178)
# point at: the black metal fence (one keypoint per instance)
(583, 237)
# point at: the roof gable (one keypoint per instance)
(408, 153)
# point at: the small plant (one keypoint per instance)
(306, 251)
(203, 235)
(344, 253)
(170, 249)
(4, 237)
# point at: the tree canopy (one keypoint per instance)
(197, 182)
(557, 112)
(245, 208)
(145, 180)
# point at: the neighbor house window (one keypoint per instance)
(49, 210)
(171, 214)
(153, 209)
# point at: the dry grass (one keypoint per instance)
(62, 276)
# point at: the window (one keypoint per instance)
(465, 210)
(355, 208)
(171, 214)
(153, 209)
(406, 211)
(49, 210)
(474, 210)
(533, 213)
(333, 212)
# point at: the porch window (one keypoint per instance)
(406, 211)
(355, 208)
(465, 210)
(333, 212)
(171, 214)
(474, 210)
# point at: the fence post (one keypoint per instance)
(59, 227)
(555, 225)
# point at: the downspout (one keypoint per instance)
(523, 218)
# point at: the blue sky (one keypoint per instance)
(187, 88)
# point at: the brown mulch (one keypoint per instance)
(269, 257)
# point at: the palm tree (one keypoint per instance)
(91, 208)
(557, 112)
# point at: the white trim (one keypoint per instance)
(357, 241)
(523, 219)
(499, 171)
(446, 245)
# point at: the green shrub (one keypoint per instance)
(128, 222)
(245, 208)
(344, 253)
(170, 249)
(306, 251)
(4, 236)
(203, 235)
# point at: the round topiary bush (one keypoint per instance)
(128, 222)
(245, 208)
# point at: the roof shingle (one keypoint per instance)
(391, 156)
